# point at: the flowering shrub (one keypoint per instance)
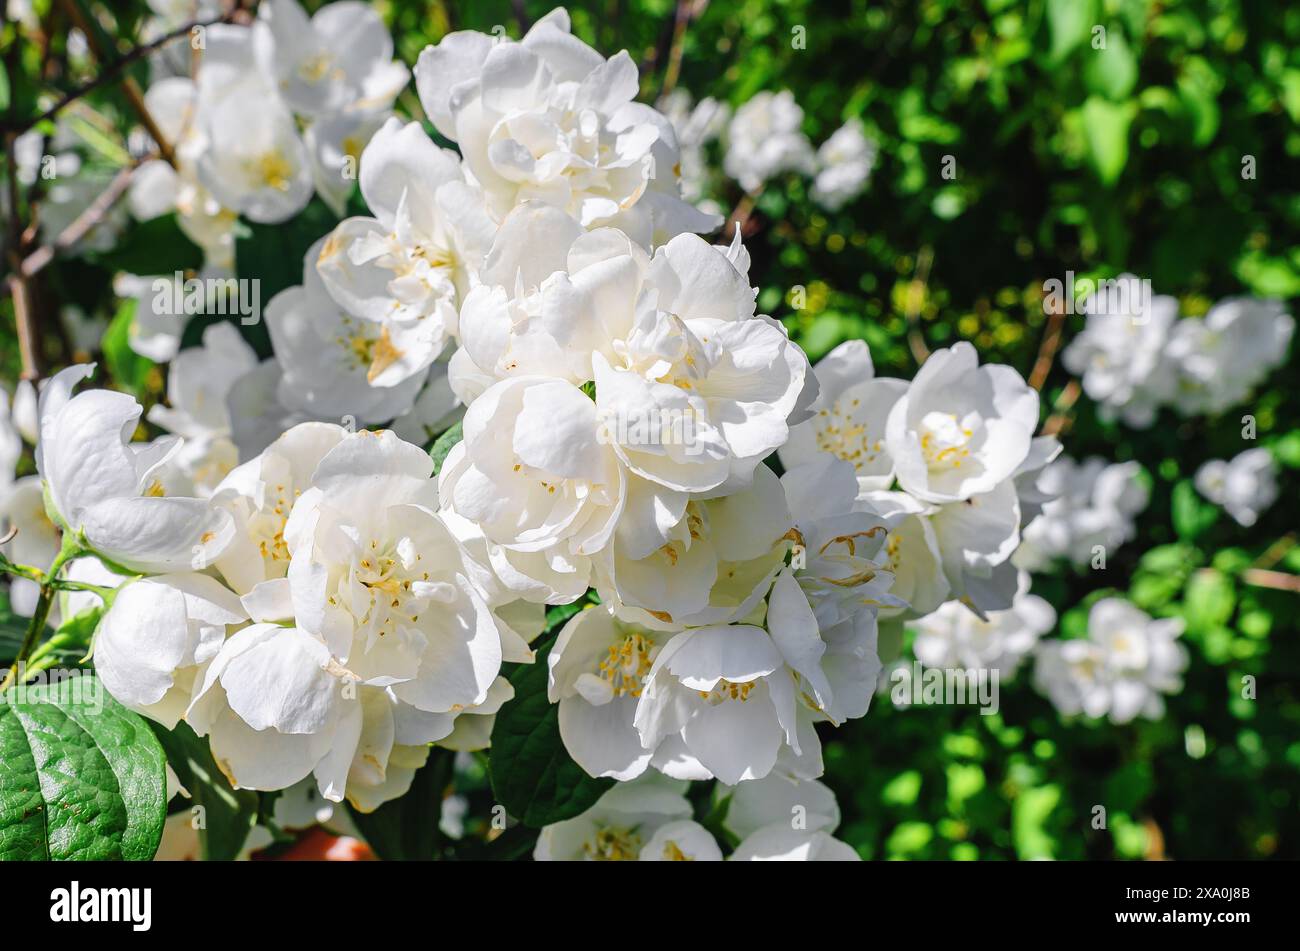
(499, 474)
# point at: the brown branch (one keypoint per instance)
(1047, 349)
(740, 215)
(83, 224)
(130, 88)
(1061, 418)
(108, 72)
(687, 10)
(915, 295)
(1278, 580)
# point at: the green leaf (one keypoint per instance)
(1069, 22)
(127, 368)
(224, 815)
(81, 777)
(1209, 600)
(532, 774)
(1189, 513)
(1111, 72)
(157, 246)
(443, 445)
(406, 829)
(1105, 126)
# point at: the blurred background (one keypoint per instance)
(1009, 149)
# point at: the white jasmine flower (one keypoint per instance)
(1093, 503)
(778, 799)
(549, 118)
(780, 843)
(960, 429)
(844, 164)
(681, 841)
(404, 271)
(955, 637)
(1220, 359)
(765, 138)
(849, 417)
(155, 641)
(328, 356)
(105, 487)
(1245, 486)
(340, 59)
(1121, 670)
(618, 826)
(1121, 356)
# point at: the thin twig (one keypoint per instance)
(83, 224)
(1047, 349)
(1275, 552)
(687, 10)
(130, 88)
(108, 72)
(915, 297)
(1278, 580)
(740, 215)
(1061, 418)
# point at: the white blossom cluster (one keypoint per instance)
(1123, 668)
(264, 117)
(950, 461)
(1245, 485)
(776, 819)
(1092, 512)
(1136, 357)
(322, 608)
(763, 139)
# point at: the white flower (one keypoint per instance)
(765, 138)
(726, 690)
(681, 841)
(692, 389)
(336, 143)
(955, 637)
(22, 507)
(695, 127)
(702, 561)
(377, 576)
(911, 554)
(960, 429)
(272, 704)
(255, 163)
(778, 799)
(342, 58)
(618, 826)
(549, 118)
(104, 486)
(1093, 503)
(849, 417)
(1121, 355)
(1121, 670)
(155, 332)
(1220, 359)
(157, 638)
(328, 357)
(1245, 486)
(532, 475)
(404, 271)
(259, 495)
(780, 843)
(844, 165)
(598, 668)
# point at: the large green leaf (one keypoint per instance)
(227, 815)
(532, 774)
(81, 777)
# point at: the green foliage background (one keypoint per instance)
(1068, 158)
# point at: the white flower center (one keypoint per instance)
(945, 440)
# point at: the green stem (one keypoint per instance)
(36, 626)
